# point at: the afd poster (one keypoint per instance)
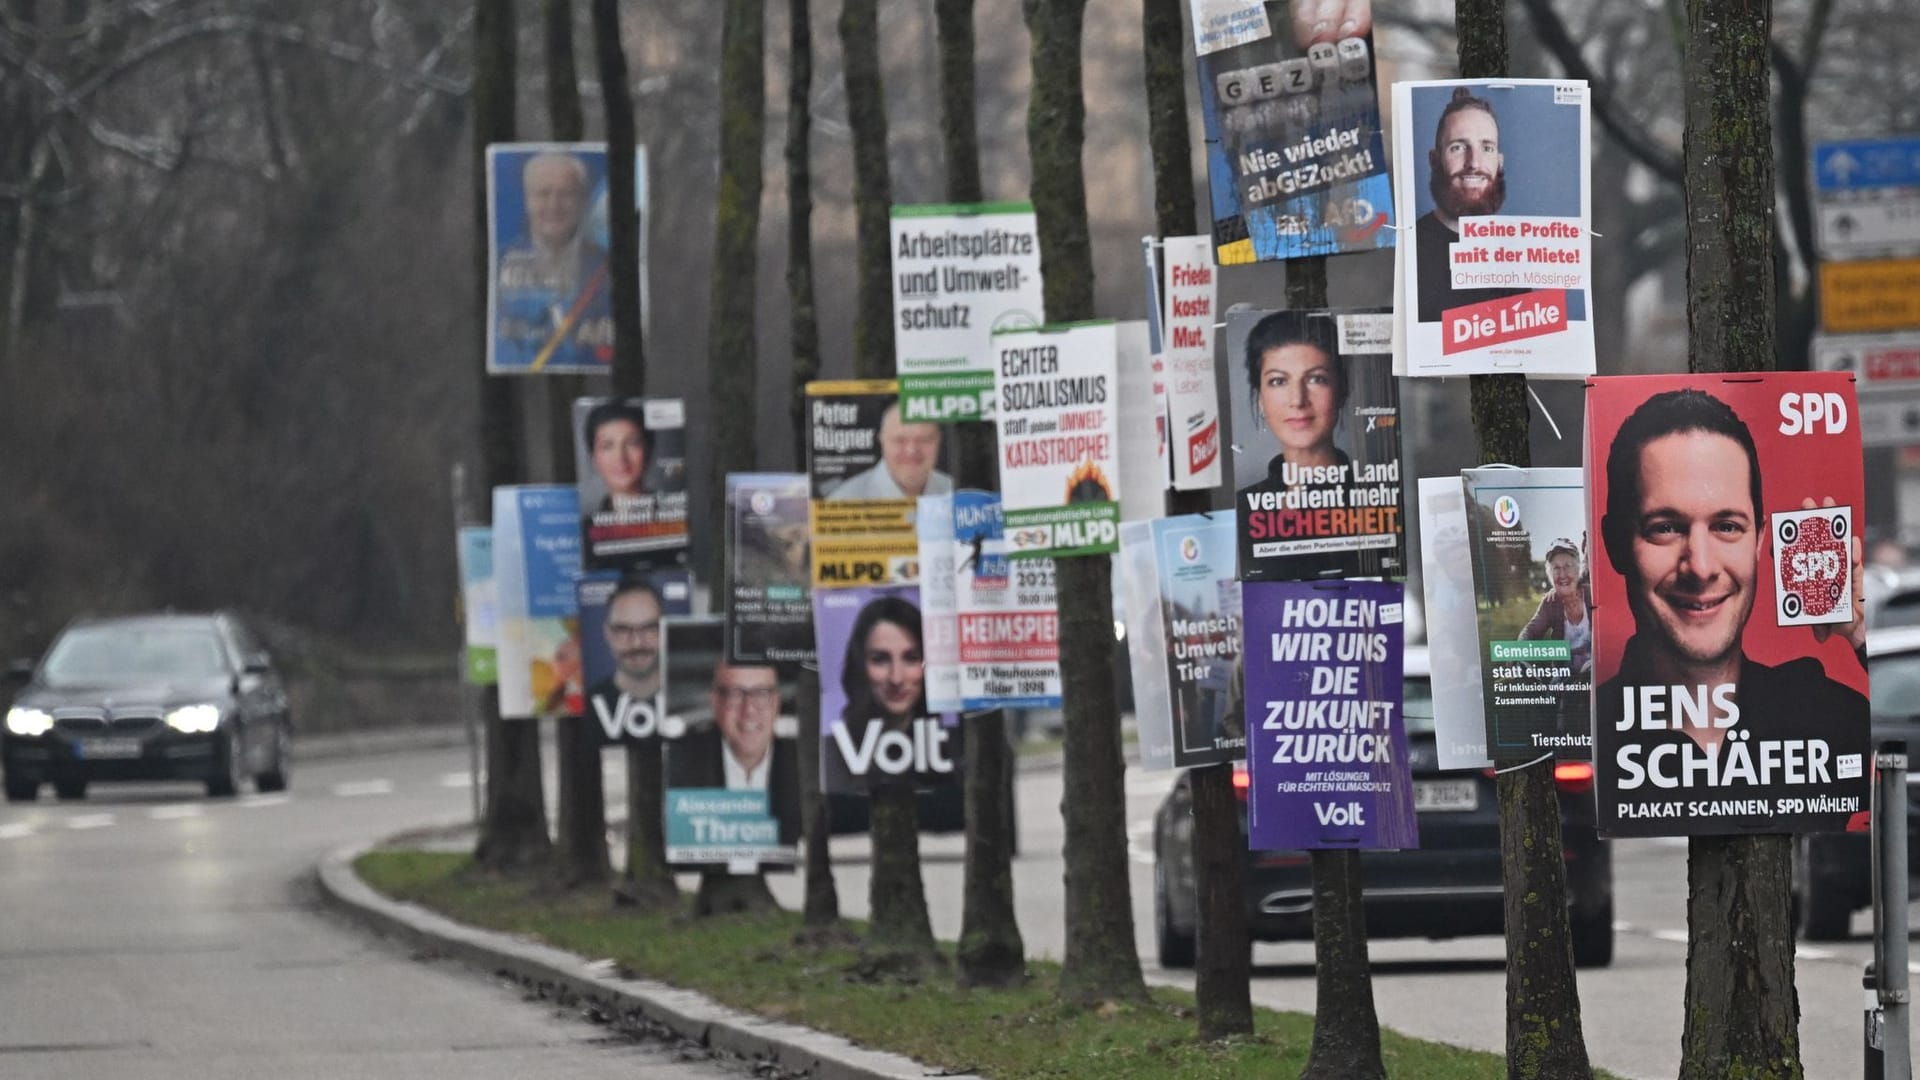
(1316, 433)
(770, 617)
(1193, 401)
(1058, 422)
(961, 271)
(479, 614)
(1533, 602)
(1199, 605)
(1497, 266)
(1729, 658)
(536, 552)
(1296, 157)
(1327, 739)
(732, 762)
(1453, 625)
(631, 459)
(876, 725)
(550, 294)
(867, 465)
(622, 624)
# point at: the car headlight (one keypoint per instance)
(29, 721)
(194, 719)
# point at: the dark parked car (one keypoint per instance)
(1833, 872)
(1450, 887)
(149, 697)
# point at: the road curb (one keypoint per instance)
(691, 1015)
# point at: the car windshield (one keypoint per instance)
(1896, 684)
(1419, 706)
(105, 655)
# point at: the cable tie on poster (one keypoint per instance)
(1543, 412)
(1528, 765)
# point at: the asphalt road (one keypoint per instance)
(151, 933)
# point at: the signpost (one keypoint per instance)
(1868, 197)
(1886, 368)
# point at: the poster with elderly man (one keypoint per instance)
(549, 288)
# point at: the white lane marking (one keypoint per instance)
(1622, 927)
(255, 802)
(353, 789)
(175, 812)
(89, 821)
(457, 780)
(16, 830)
(1671, 935)
(1801, 952)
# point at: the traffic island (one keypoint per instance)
(742, 985)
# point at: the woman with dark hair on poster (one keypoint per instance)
(883, 675)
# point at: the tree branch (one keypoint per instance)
(1552, 32)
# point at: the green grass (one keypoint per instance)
(752, 964)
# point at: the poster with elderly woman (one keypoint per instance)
(876, 726)
(1533, 597)
(1316, 444)
(630, 455)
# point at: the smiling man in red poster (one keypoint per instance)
(1694, 732)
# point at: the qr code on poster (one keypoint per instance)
(1813, 566)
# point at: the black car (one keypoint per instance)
(149, 697)
(1449, 887)
(1833, 872)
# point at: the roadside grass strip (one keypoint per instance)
(753, 964)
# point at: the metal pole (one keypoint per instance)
(1890, 915)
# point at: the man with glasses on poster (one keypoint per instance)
(632, 631)
(739, 751)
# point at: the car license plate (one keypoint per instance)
(1445, 795)
(98, 749)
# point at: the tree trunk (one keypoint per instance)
(822, 908)
(872, 190)
(513, 831)
(992, 952)
(733, 894)
(1544, 1034)
(900, 935)
(1223, 957)
(1741, 1007)
(623, 218)
(1101, 961)
(648, 883)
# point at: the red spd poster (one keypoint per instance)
(1730, 681)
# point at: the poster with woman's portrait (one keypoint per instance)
(1533, 597)
(876, 727)
(631, 459)
(1316, 444)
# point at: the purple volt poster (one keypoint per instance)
(1326, 741)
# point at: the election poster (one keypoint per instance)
(732, 759)
(536, 559)
(1316, 437)
(1533, 604)
(876, 725)
(770, 616)
(1495, 271)
(1453, 625)
(1141, 405)
(622, 621)
(1154, 413)
(1137, 577)
(940, 598)
(1296, 158)
(631, 459)
(1193, 402)
(866, 467)
(479, 615)
(549, 289)
(1327, 749)
(1731, 686)
(1008, 642)
(1059, 438)
(1200, 608)
(960, 272)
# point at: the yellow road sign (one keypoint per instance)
(1865, 297)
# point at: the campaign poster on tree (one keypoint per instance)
(1008, 614)
(732, 760)
(1316, 435)
(479, 614)
(1058, 420)
(876, 725)
(1496, 268)
(1136, 578)
(1729, 659)
(940, 599)
(960, 272)
(622, 622)
(1296, 157)
(1199, 604)
(1453, 625)
(536, 556)
(549, 287)
(867, 466)
(770, 617)
(1533, 604)
(631, 459)
(1193, 401)
(1327, 738)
